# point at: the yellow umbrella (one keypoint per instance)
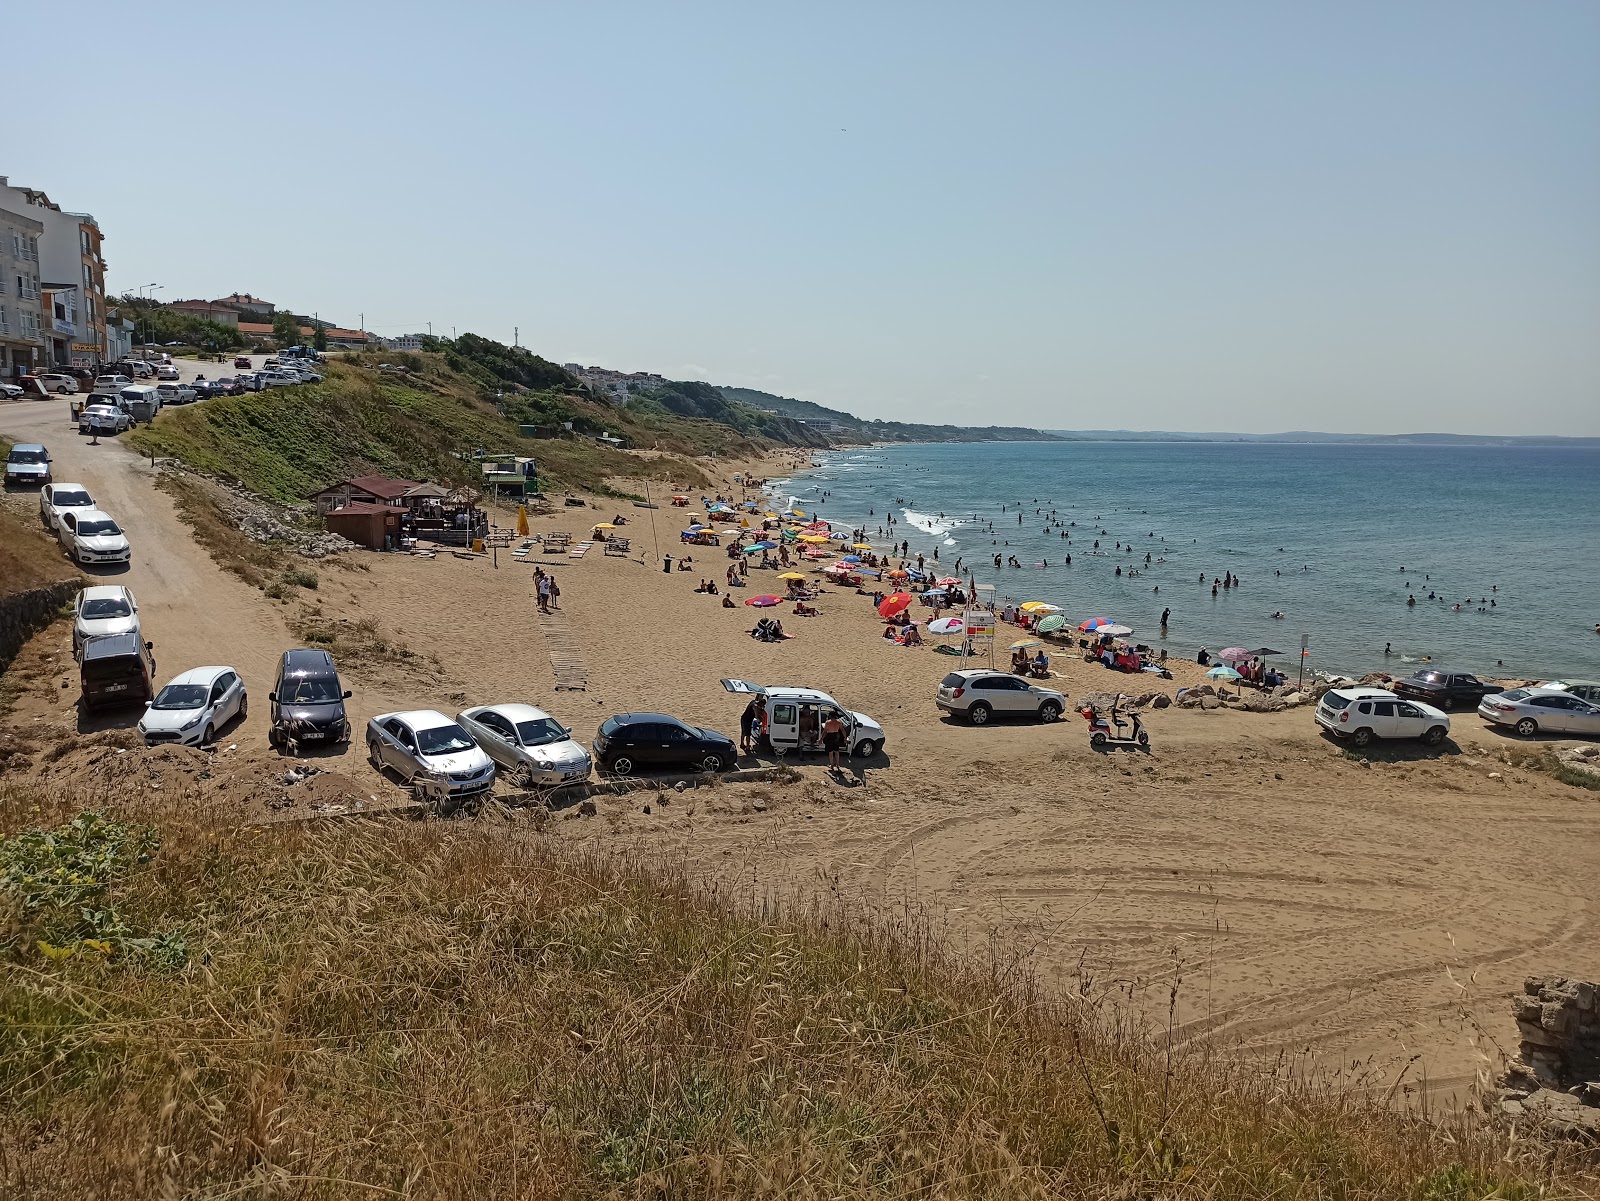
(522, 520)
(744, 523)
(813, 537)
(791, 575)
(1024, 643)
(604, 525)
(1029, 606)
(862, 546)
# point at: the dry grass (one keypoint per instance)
(256, 563)
(456, 1010)
(29, 558)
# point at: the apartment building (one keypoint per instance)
(72, 273)
(21, 340)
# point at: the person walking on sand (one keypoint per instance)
(555, 593)
(833, 742)
(542, 587)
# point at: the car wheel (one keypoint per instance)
(244, 705)
(1361, 737)
(866, 749)
(1144, 739)
(1527, 727)
(1098, 738)
(373, 757)
(711, 763)
(209, 736)
(1434, 736)
(275, 739)
(622, 766)
(1447, 704)
(523, 777)
(978, 714)
(1049, 711)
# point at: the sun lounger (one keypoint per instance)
(577, 552)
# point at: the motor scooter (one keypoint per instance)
(1115, 731)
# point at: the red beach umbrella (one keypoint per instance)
(894, 603)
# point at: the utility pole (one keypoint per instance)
(516, 337)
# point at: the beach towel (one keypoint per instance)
(580, 550)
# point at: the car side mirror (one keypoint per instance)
(273, 697)
(149, 646)
(567, 730)
(347, 694)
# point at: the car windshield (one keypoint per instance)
(1516, 694)
(953, 680)
(25, 456)
(182, 696)
(71, 500)
(541, 732)
(1334, 701)
(1431, 677)
(103, 527)
(308, 691)
(111, 606)
(441, 740)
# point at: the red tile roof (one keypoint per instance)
(364, 506)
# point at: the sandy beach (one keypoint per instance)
(1374, 911)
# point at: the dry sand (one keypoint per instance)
(1373, 912)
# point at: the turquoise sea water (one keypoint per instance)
(1334, 537)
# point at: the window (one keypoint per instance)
(783, 715)
(674, 733)
(1384, 708)
(88, 276)
(1408, 710)
(83, 241)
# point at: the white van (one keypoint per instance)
(141, 401)
(110, 385)
(795, 717)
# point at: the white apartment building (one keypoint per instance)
(21, 307)
(69, 262)
(404, 342)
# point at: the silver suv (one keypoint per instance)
(983, 693)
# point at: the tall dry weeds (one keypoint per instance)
(462, 1010)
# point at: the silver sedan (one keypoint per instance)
(1532, 711)
(529, 745)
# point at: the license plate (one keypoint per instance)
(310, 737)
(116, 688)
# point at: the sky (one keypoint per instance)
(1352, 216)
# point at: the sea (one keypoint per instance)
(1499, 545)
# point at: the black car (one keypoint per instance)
(117, 669)
(630, 741)
(1445, 689)
(307, 702)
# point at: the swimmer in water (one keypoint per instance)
(1388, 649)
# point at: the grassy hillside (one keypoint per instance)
(867, 430)
(287, 442)
(462, 1011)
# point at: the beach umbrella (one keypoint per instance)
(868, 571)
(522, 520)
(839, 537)
(946, 625)
(947, 581)
(1042, 610)
(851, 559)
(604, 525)
(1024, 643)
(1265, 652)
(1223, 672)
(1115, 631)
(895, 602)
(1235, 653)
(791, 575)
(764, 602)
(1094, 623)
(861, 546)
(899, 573)
(1030, 606)
(818, 525)
(1052, 623)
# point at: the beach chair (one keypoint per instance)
(557, 543)
(617, 547)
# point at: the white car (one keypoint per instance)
(91, 536)
(61, 385)
(175, 394)
(276, 379)
(56, 499)
(109, 385)
(167, 372)
(980, 694)
(431, 753)
(103, 419)
(101, 611)
(192, 708)
(10, 391)
(1359, 715)
(527, 744)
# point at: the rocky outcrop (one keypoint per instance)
(24, 614)
(1554, 1082)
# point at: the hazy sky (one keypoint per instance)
(1356, 216)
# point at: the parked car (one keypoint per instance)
(241, 361)
(1588, 690)
(194, 706)
(527, 744)
(630, 741)
(795, 717)
(1532, 711)
(307, 701)
(109, 385)
(981, 693)
(56, 499)
(140, 401)
(92, 537)
(28, 463)
(103, 419)
(10, 391)
(1445, 689)
(166, 372)
(226, 386)
(276, 379)
(101, 611)
(432, 754)
(138, 368)
(118, 669)
(1362, 714)
(251, 382)
(175, 394)
(61, 385)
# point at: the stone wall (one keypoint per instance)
(1555, 1080)
(24, 614)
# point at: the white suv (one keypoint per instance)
(981, 694)
(1362, 714)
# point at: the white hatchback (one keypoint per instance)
(190, 710)
(1358, 715)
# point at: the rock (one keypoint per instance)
(1587, 752)
(1512, 1109)
(1558, 1021)
(1161, 701)
(1494, 775)
(1526, 1009)
(1294, 698)
(680, 786)
(1210, 702)
(1533, 1034)
(647, 809)
(587, 808)
(759, 805)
